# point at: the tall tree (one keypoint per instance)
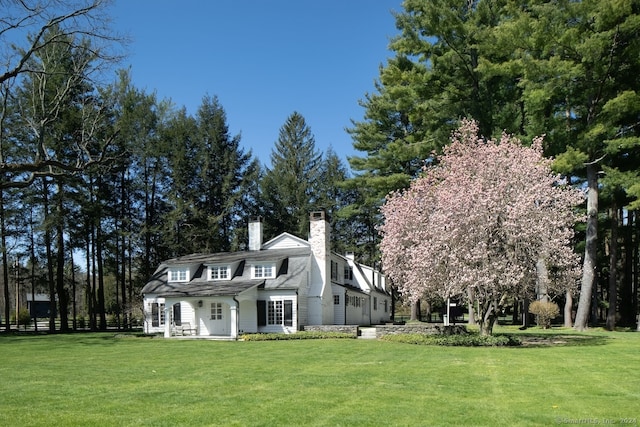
(72, 25)
(210, 172)
(224, 171)
(480, 221)
(290, 187)
(435, 78)
(333, 196)
(577, 60)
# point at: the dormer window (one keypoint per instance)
(219, 272)
(178, 275)
(264, 271)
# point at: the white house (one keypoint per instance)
(277, 286)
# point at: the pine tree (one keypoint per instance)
(290, 187)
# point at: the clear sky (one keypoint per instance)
(263, 59)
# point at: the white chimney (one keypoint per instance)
(255, 234)
(321, 309)
(320, 234)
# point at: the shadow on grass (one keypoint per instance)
(542, 340)
(68, 339)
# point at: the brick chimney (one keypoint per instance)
(255, 233)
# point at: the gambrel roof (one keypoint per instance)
(290, 263)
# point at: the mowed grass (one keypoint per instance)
(109, 380)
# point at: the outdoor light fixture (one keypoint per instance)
(200, 303)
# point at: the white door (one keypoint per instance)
(218, 319)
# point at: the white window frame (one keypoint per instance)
(348, 273)
(179, 275)
(265, 270)
(219, 269)
(216, 311)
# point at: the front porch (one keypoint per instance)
(205, 318)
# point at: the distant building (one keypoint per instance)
(39, 305)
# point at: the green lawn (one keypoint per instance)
(106, 379)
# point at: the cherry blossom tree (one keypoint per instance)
(478, 222)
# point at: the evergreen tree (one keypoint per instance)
(577, 64)
(210, 173)
(290, 188)
(435, 78)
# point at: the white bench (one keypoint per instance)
(185, 329)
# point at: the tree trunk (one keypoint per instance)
(525, 312)
(126, 228)
(636, 255)
(472, 315)
(60, 289)
(102, 310)
(415, 311)
(5, 263)
(568, 310)
(626, 308)
(542, 284)
(488, 316)
(90, 292)
(32, 254)
(613, 263)
(73, 290)
(590, 251)
(47, 244)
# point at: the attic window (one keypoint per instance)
(219, 272)
(264, 271)
(178, 275)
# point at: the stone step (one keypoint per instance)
(367, 333)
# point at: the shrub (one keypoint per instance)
(24, 317)
(469, 340)
(302, 335)
(546, 312)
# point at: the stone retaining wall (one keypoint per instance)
(420, 328)
(347, 329)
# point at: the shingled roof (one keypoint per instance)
(291, 264)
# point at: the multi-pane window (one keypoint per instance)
(348, 273)
(219, 272)
(336, 299)
(178, 275)
(264, 271)
(216, 310)
(157, 314)
(277, 313)
(354, 301)
(334, 270)
(375, 303)
(274, 313)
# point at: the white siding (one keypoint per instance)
(248, 317)
(338, 309)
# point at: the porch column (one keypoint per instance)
(167, 319)
(234, 320)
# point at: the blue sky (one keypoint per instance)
(263, 59)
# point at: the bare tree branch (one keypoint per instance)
(77, 31)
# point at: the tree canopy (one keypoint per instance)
(478, 222)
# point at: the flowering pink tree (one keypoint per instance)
(478, 223)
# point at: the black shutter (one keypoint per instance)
(262, 312)
(288, 313)
(177, 315)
